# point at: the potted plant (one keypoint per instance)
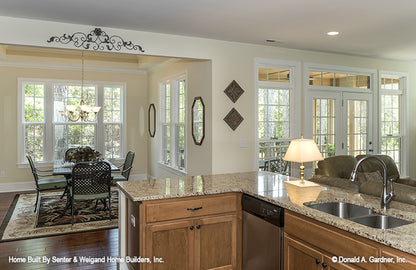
(83, 154)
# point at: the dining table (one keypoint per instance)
(61, 167)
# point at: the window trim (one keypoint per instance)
(174, 99)
(49, 124)
(295, 97)
(404, 116)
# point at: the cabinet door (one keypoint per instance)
(216, 243)
(337, 266)
(299, 256)
(173, 242)
(403, 261)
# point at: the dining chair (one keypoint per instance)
(126, 167)
(90, 181)
(45, 181)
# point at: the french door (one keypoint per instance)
(341, 123)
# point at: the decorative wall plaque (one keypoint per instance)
(233, 119)
(234, 91)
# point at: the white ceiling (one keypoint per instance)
(375, 28)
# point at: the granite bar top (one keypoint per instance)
(270, 187)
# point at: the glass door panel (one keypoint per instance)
(357, 112)
(324, 125)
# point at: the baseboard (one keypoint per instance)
(17, 187)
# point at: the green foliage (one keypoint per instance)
(83, 154)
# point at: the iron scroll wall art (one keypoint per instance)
(97, 39)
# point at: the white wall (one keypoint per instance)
(230, 61)
(199, 157)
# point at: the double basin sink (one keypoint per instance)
(359, 214)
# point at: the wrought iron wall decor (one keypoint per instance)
(234, 91)
(151, 124)
(198, 120)
(97, 39)
(233, 119)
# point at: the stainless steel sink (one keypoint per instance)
(342, 209)
(360, 214)
(381, 221)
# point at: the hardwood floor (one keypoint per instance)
(97, 244)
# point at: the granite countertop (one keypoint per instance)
(270, 187)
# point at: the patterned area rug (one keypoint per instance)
(21, 222)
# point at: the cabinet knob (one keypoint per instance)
(318, 261)
(191, 228)
(324, 265)
(198, 226)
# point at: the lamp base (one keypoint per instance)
(301, 191)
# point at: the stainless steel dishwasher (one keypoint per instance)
(262, 234)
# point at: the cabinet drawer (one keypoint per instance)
(190, 207)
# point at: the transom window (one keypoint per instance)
(45, 130)
(334, 79)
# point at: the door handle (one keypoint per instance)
(194, 209)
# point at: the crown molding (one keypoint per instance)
(28, 64)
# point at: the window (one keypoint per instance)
(45, 130)
(275, 112)
(393, 88)
(173, 123)
(34, 119)
(334, 79)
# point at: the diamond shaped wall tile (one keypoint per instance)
(234, 91)
(233, 119)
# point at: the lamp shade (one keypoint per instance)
(303, 150)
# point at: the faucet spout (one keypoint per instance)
(386, 197)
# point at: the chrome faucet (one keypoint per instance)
(385, 197)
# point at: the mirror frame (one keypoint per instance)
(151, 112)
(194, 136)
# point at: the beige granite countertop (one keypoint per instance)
(270, 187)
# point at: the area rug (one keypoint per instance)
(22, 223)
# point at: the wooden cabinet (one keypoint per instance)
(310, 244)
(403, 261)
(308, 241)
(172, 242)
(301, 256)
(201, 232)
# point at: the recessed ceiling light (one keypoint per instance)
(333, 33)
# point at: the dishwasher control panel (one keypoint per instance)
(265, 210)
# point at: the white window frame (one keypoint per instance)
(404, 116)
(174, 80)
(321, 91)
(49, 124)
(294, 96)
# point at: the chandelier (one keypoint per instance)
(81, 112)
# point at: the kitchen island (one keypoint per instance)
(264, 185)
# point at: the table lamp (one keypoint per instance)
(300, 151)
